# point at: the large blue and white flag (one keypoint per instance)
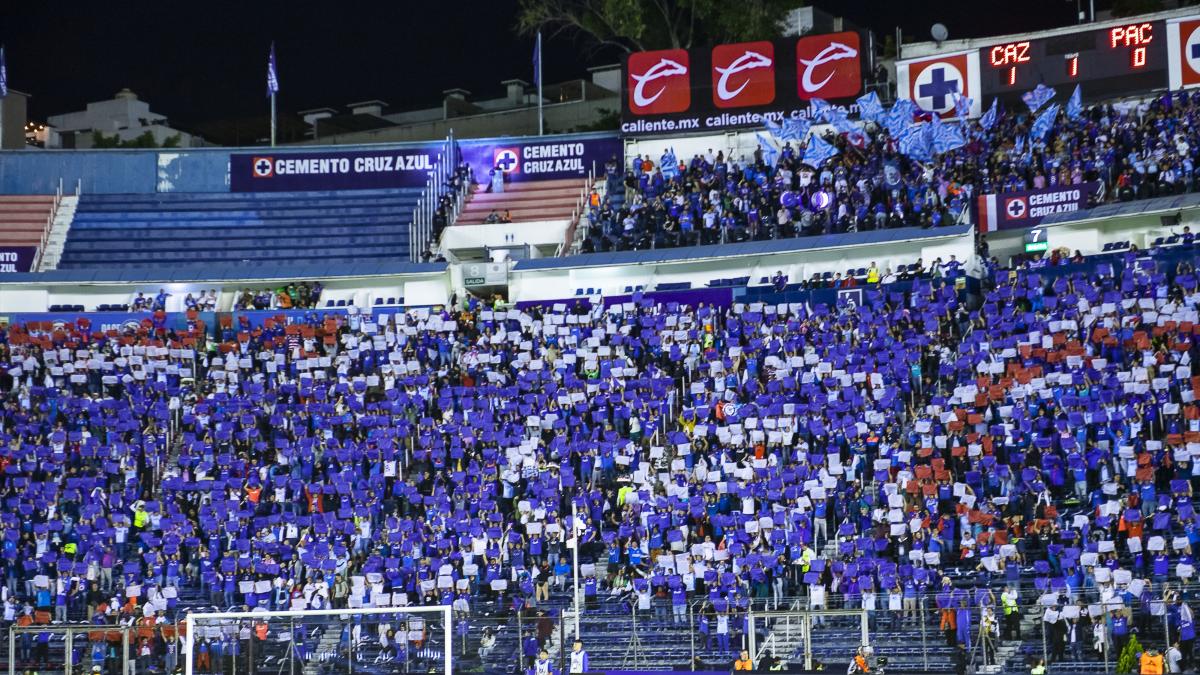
(962, 106)
(915, 142)
(774, 129)
(989, 118)
(272, 73)
(818, 107)
(770, 154)
(818, 151)
(1075, 104)
(945, 137)
(3, 74)
(670, 164)
(869, 107)
(1037, 97)
(796, 128)
(899, 117)
(1041, 126)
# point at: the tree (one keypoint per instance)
(1133, 7)
(1127, 662)
(639, 25)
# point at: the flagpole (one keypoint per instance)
(541, 120)
(272, 119)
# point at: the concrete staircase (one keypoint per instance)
(525, 202)
(59, 228)
(24, 218)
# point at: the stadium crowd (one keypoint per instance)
(908, 449)
(1135, 151)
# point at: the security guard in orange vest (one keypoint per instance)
(1152, 662)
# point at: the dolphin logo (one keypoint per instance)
(664, 68)
(835, 51)
(747, 61)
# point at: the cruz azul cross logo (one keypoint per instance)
(743, 74)
(508, 160)
(1189, 41)
(263, 167)
(1015, 207)
(934, 85)
(658, 82)
(828, 66)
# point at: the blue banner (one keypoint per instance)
(331, 170)
(524, 160)
(15, 259)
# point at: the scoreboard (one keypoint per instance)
(1107, 62)
(1114, 59)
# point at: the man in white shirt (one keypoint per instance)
(1174, 659)
(579, 659)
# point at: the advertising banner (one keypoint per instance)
(1018, 210)
(15, 259)
(331, 170)
(738, 85)
(528, 160)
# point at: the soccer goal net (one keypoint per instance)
(319, 642)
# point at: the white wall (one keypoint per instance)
(612, 280)
(24, 300)
(427, 291)
(537, 233)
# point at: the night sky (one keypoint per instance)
(197, 62)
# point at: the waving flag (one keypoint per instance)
(989, 118)
(3, 75)
(962, 106)
(1043, 123)
(945, 137)
(272, 73)
(869, 107)
(1019, 144)
(819, 106)
(1075, 104)
(1037, 97)
(796, 128)
(774, 129)
(915, 142)
(899, 117)
(770, 155)
(818, 151)
(670, 164)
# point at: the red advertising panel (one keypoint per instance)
(828, 66)
(743, 74)
(739, 85)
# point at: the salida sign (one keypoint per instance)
(356, 170)
(738, 85)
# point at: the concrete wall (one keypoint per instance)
(559, 118)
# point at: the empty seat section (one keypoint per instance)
(128, 230)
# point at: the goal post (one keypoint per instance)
(294, 642)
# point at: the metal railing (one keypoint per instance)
(41, 249)
(575, 234)
(437, 184)
(113, 648)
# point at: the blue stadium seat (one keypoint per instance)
(214, 228)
